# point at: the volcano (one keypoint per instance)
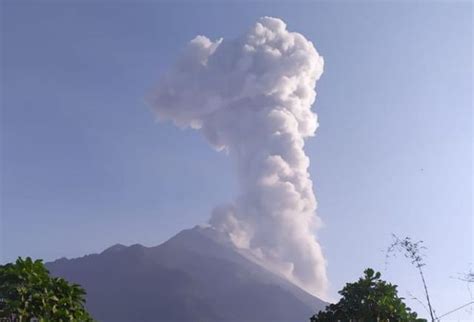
(196, 276)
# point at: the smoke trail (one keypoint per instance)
(252, 97)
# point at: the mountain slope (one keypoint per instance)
(195, 276)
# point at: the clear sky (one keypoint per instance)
(85, 166)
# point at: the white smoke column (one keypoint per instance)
(252, 97)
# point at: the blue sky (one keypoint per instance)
(84, 164)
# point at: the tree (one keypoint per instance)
(369, 299)
(28, 291)
(413, 251)
(467, 277)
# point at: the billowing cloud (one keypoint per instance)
(252, 97)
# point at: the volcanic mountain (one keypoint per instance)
(196, 276)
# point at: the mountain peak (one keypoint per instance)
(117, 248)
(197, 275)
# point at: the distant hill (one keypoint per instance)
(196, 276)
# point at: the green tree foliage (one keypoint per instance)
(27, 291)
(370, 299)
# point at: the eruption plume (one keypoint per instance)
(252, 97)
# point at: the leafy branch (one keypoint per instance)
(413, 250)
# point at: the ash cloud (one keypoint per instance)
(252, 97)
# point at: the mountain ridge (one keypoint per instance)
(197, 275)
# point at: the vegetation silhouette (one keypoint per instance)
(369, 299)
(27, 292)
